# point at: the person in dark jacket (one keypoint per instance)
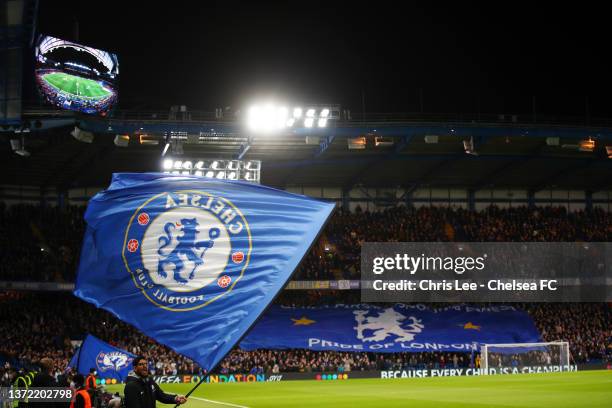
(141, 391)
(44, 379)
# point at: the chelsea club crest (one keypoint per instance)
(186, 249)
(113, 360)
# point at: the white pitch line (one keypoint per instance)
(219, 402)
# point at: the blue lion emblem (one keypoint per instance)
(186, 247)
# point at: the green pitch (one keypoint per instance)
(75, 85)
(592, 389)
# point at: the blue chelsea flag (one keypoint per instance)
(192, 261)
(109, 361)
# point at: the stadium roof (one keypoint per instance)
(510, 154)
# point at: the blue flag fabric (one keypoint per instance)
(395, 328)
(75, 359)
(109, 361)
(193, 261)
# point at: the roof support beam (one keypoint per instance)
(549, 181)
(430, 172)
(244, 148)
(398, 148)
(488, 178)
(326, 141)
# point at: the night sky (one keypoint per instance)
(461, 58)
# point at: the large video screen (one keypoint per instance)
(76, 77)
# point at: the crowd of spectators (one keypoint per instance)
(40, 243)
(529, 357)
(306, 361)
(43, 243)
(587, 328)
(337, 254)
(36, 325)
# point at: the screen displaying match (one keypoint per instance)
(76, 77)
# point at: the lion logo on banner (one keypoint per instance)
(187, 249)
(388, 322)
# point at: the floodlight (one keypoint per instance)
(253, 117)
(148, 140)
(469, 147)
(268, 116)
(587, 145)
(281, 117)
(383, 141)
(356, 143)
(552, 141)
(274, 118)
(121, 140)
(253, 165)
(18, 146)
(82, 136)
(222, 169)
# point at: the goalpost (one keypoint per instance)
(520, 355)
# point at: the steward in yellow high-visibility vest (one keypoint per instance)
(23, 381)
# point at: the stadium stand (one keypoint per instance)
(37, 325)
(43, 324)
(49, 248)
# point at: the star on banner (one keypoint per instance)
(470, 325)
(304, 321)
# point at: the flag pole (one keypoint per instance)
(193, 389)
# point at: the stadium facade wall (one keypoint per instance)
(34, 195)
(372, 199)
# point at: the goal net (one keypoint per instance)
(520, 355)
